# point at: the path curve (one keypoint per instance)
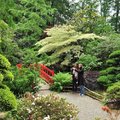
(89, 109)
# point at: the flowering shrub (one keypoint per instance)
(50, 107)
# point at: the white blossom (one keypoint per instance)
(46, 118)
(29, 111)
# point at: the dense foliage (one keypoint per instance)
(88, 61)
(88, 20)
(8, 47)
(49, 107)
(64, 45)
(7, 98)
(113, 92)
(111, 73)
(22, 24)
(26, 79)
(61, 80)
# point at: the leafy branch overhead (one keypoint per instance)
(64, 44)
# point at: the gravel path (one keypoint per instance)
(89, 109)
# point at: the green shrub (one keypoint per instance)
(113, 92)
(118, 77)
(104, 81)
(107, 46)
(8, 75)
(3, 86)
(111, 77)
(103, 72)
(115, 54)
(110, 62)
(111, 70)
(88, 61)
(1, 77)
(7, 100)
(4, 63)
(60, 80)
(111, 73)
(56, 87)
(50, 106)
(25, 80)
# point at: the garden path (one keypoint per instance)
(89, 108)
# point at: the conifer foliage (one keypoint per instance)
(112, 73)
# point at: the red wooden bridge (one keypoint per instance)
(44, 72)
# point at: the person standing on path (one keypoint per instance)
(81, 80)
(74, 78)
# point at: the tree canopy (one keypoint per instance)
(64, 44)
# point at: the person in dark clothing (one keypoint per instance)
(81, 80)
(74, 78)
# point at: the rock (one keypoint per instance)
(91, 80)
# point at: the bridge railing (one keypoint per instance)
(46, 73)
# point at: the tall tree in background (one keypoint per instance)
(31, 17)
(63, 10)
(110, 9)
(8, 47)
(115, 21)
(5, 7)
(105, 6)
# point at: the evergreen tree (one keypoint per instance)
(63, 10)
(112, 73)
(5, 11)
(8, 47)
(31, 17)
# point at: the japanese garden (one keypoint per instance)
(40, 41)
